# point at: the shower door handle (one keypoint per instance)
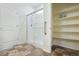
(45, 28)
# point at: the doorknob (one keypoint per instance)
(45, 25)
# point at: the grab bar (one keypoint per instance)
(45, 25)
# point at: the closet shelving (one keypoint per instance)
(68, 26)
(69, 17)
(70, 9)
(66, 32)
(68, 36)
(65, 38)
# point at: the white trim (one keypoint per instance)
(34, 11)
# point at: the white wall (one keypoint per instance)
(13, 24)
(47, 17)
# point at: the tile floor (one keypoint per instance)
(29, 50)
(24, 50)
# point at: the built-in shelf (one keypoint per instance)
(69, 17)
(71, 9)
(65, 39)
(65, 32)
(67, 26)
(68, 38)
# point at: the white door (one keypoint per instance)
(36, 35)
(39, 29)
